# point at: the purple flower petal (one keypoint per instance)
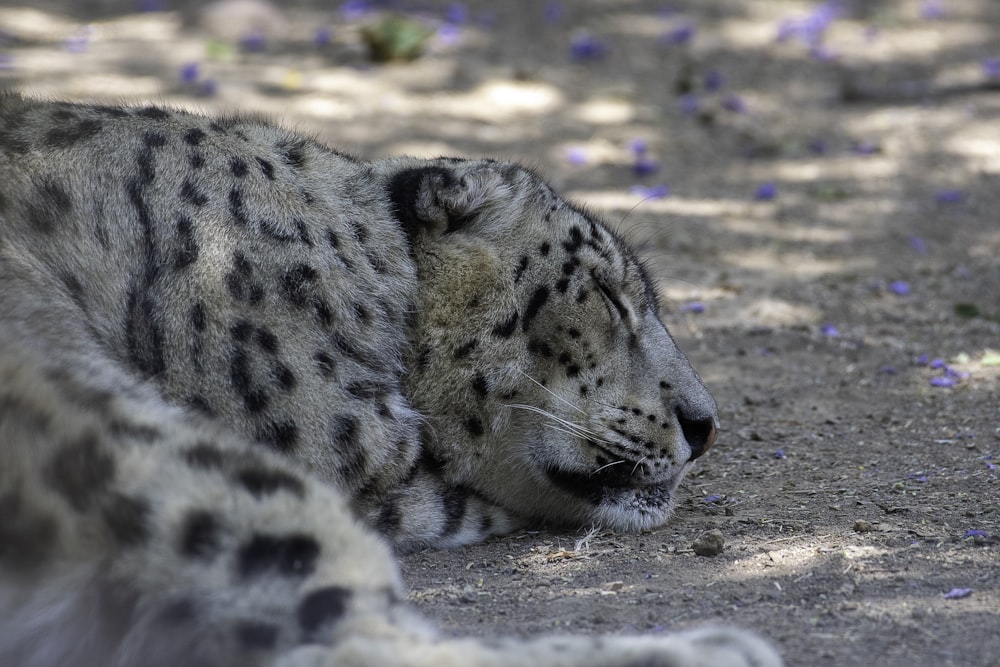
(734, 103)
(450, 34)
(972, 532)
(587, 47)
(932, 10)
(456, 14)
(991, 68)
(190, 73)
(956, 374)
(811, 28)
(713, 80)
(779, 454)
(922, 360)
(817, 146)
(654, 192)
(899, 287)
(679, 35)
(829, 330)
(958, 593)
(254, 42)
(942, 382)
(950, 197)
(787, 29)
(645, 166)
(354, 10)
(322, 36)
(576, 156)
(918, 245)
(765, 192)
(713, 498)
(867, 148)
(78, 42)
(937, 363)
(690, 104)
(693, 307)
(638, 146)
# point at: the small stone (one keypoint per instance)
(862, 526)
(709, 543)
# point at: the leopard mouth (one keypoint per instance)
(611, 485)
(617, 499)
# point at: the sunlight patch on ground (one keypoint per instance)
(768, 228)
(740, 34)
(34, 24)
(680, 293)
(326, 108)
(922, 42)
(346, 95)
(980, 147)
(605, 111)
(347, 83)
(773, 312)
(795, 264)
(914, 119)
(988, 246)
(799, 559)
(617, 200)
(497, 101)
(155, 27)
(636, 25)
(848, 167)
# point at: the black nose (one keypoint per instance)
(700, 433)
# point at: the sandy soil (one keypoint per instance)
(858, 500)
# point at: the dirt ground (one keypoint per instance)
(821, 212)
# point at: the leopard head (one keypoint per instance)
(549, 384)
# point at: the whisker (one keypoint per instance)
(608, 465)
(552, 393)
(546, 413)
(574, 429)
(637, 463)
(561, 429)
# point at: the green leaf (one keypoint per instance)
(990, 358)
(396, 38)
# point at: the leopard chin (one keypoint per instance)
(617, 501)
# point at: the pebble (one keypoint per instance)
(709, 543)
(862, 526)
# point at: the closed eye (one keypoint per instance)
(610, 296)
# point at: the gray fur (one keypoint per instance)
(225, 348)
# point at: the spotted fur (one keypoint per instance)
(229, 355)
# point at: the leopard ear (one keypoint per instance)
(437, 200)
